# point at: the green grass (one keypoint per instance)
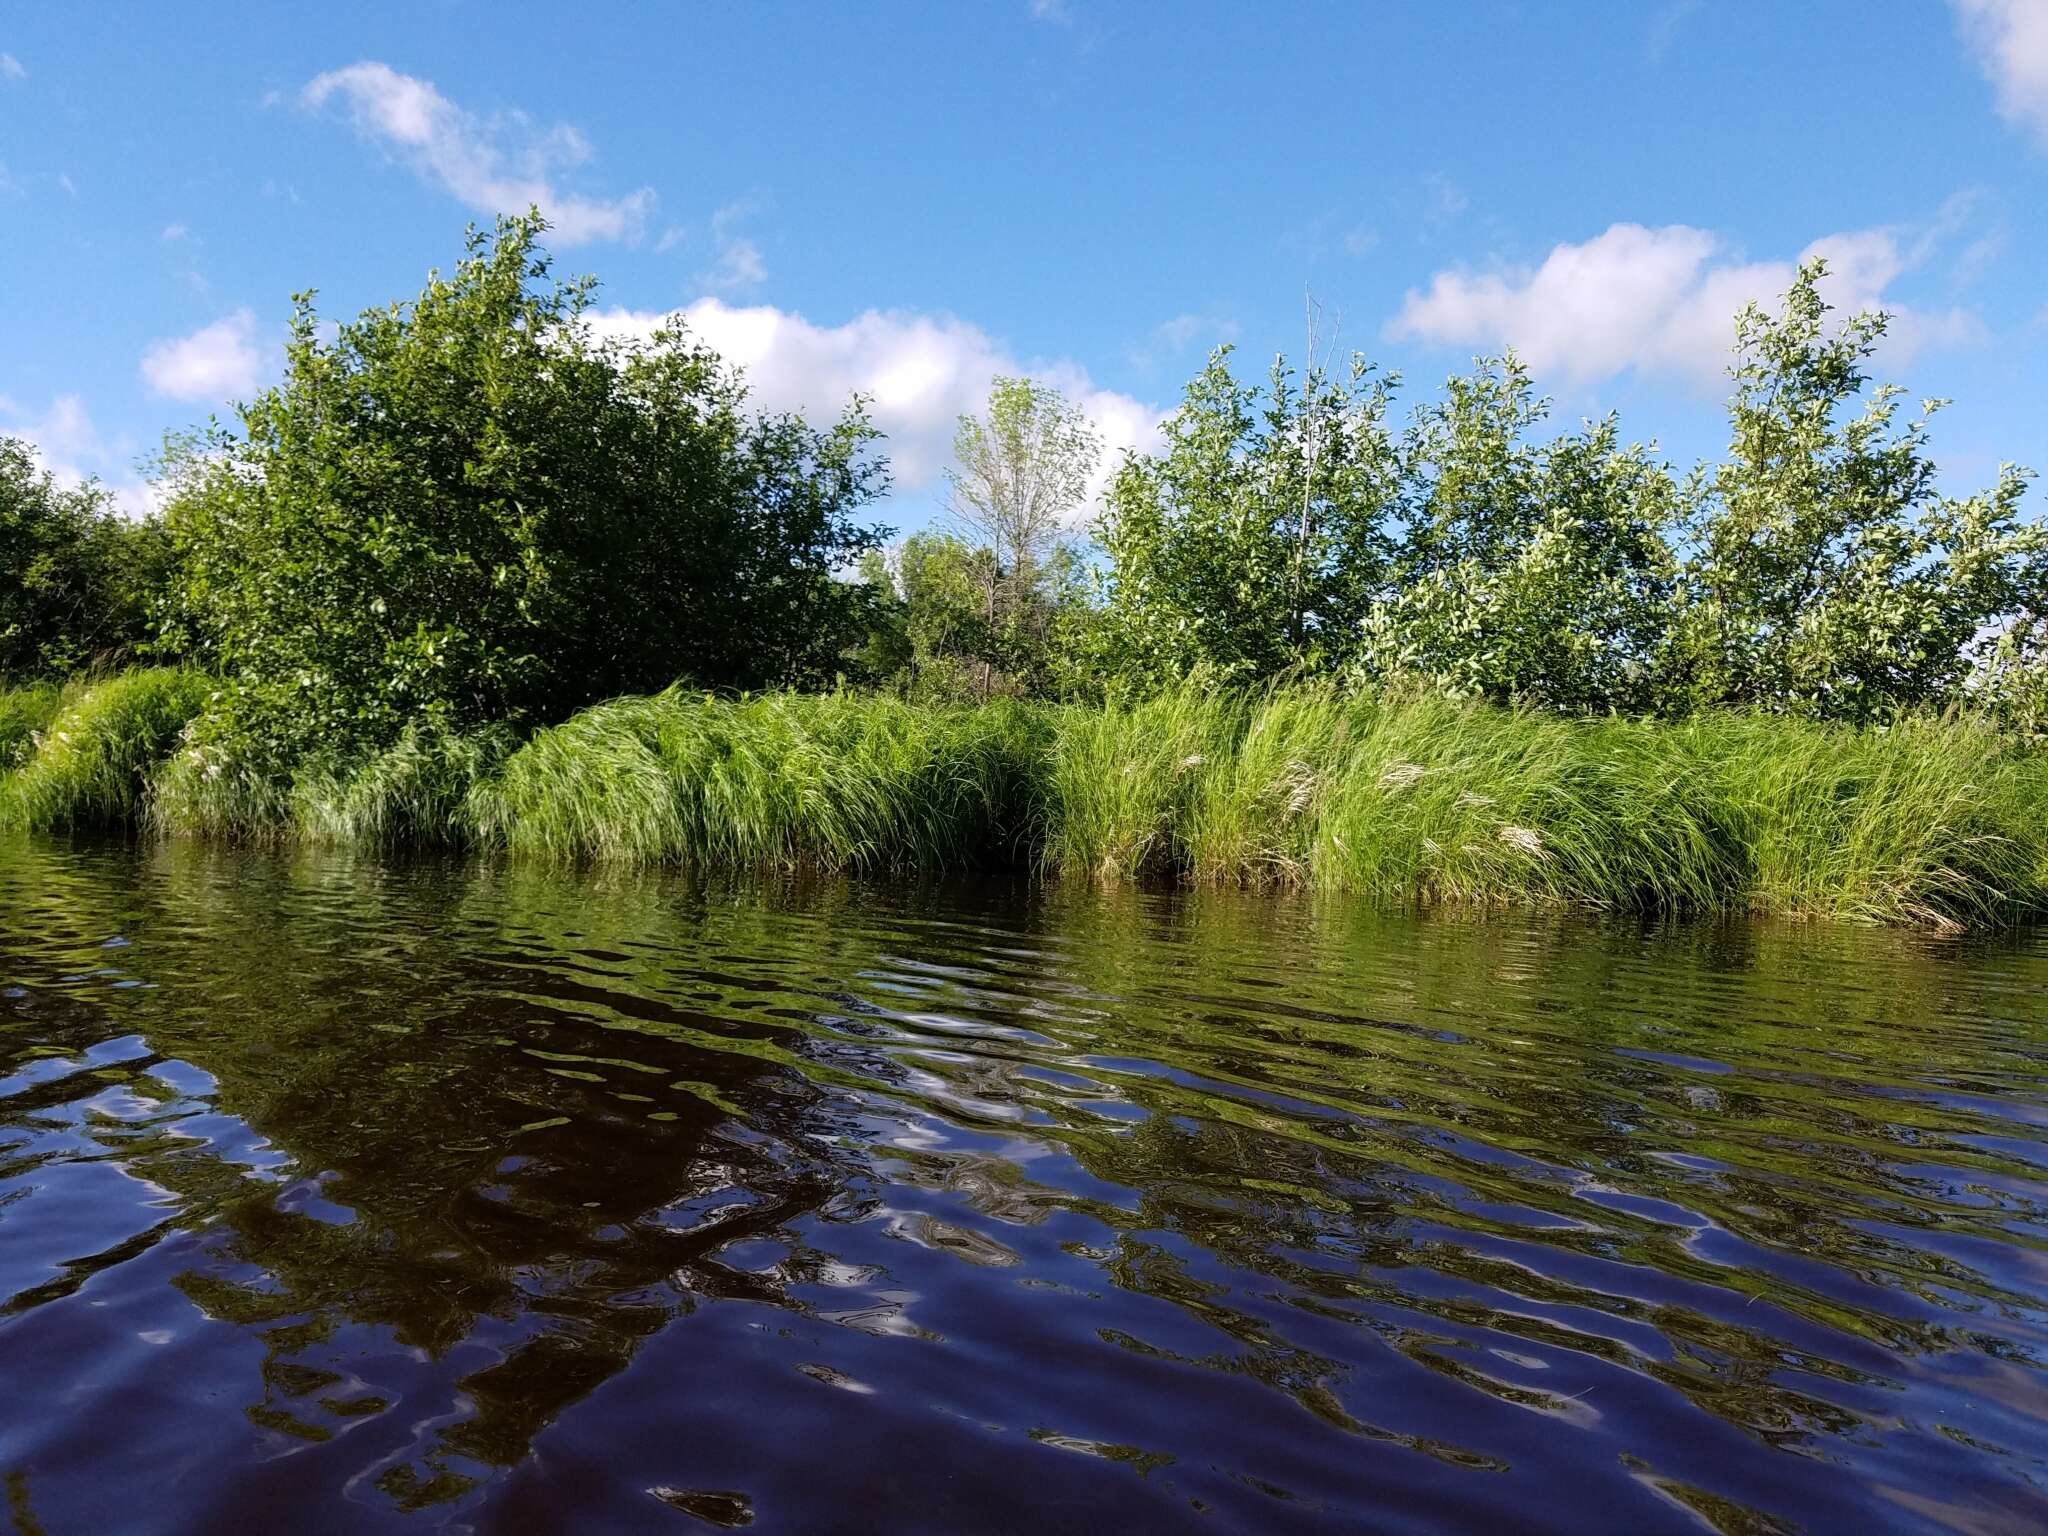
(834, 780)
(24, 714)
(1402, 798)
(91, 760)
(1413, 799)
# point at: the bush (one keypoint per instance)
(77, 581)
(471, 511)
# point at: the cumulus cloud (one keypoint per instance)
(2010, 39)
(921, 372)
(218, 362)
(500, 166)
(71, 448)
(11, 68)
(1657, 301)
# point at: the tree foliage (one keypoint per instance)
(1531, 572)
(1816, 571)
(1828, 576)
(76, 579)
(469, 508)
(1238, 551)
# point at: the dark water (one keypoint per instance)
(346, 1197)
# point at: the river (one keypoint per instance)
(347, 1195)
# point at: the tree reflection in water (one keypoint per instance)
(508, 1195)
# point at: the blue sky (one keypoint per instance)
(906, 199)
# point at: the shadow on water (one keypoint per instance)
(345, 1195)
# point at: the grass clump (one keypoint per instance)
(90, 761)
(1121, 787)
(225, 780)
(1402, 797)
(24, 714)
(1412, 798)
(834, 780)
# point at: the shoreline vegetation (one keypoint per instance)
(477, 572)
(1403, 797)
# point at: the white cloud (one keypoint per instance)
(11, 68)
(922, 373)
(1658, 301)
(173, 233)
(72, 450)
(740, 264)
(218, 362)
(473, 160)
(2010, 38)
(1056, 12)
(1171, 339)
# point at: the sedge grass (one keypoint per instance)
(25, 712)
(90, 761)
(836, 781)
(1401, 797)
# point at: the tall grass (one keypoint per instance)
(90, 761)
(834, 780)
(24, 713)
(1405, 798)
(219, 784)
(1416, 799)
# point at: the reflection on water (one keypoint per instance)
(339, 1196)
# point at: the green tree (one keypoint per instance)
(1829, 577)
(467, 509)
(1531, 573)
(77, 580)
(937, 641)
(1257, 540)
(1019, 473)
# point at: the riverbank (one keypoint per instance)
(1405, 799)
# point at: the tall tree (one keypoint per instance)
(467, 507)
(1536, 572)
(1257, 540)
(1830, 576)
(1020, 471)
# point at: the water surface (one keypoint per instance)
(347, 1196)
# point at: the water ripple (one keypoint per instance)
(338, 1195)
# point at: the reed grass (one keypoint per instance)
(834, 780)
(89, 762)
(1415, 799)
(25, 712)
(1403, 798)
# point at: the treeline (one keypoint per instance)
(1293, 528)
(457, 524)
(465, 509)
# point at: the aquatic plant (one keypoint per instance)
(24, 712)
(89, 762)
(836, 780)
(1399, 795)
